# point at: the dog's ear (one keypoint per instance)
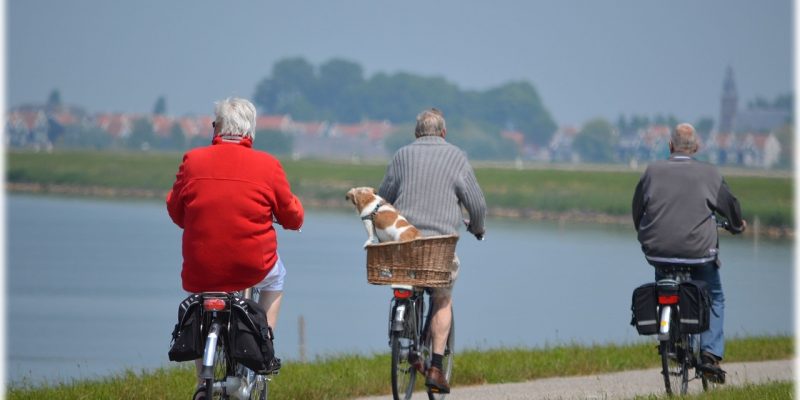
(374, 191)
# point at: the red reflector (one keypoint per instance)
(402, 293)
(671, 299)
(214, 304)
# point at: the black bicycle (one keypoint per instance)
(411, 341)
(223, 377)
(680, 351)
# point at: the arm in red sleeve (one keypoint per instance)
(174, 200)
(288, 209)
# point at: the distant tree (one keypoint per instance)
(289, 90)
(704, 125)
(596, 141)
(274, 142)
(85, 137)
(784, 102)
(160, 108)
(142, 136)
(53, 100)
(518, 104)
(340, 90)
(176, 139)
(785, 136)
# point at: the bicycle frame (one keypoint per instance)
(239, 381)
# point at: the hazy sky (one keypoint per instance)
(586, 58)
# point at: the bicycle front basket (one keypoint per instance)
(425, 262)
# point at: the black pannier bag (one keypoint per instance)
(187, 343)
(250, 336)
(644, 306)
(695, 307)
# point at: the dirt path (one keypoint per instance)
(619, 385)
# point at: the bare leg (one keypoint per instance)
(270, 301)
(440, 323)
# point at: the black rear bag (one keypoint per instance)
(251, 337)
(644, 306)
(187, 343)
(694, 305)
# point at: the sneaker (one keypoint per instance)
(436, 382)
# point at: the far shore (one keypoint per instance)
(334, 204)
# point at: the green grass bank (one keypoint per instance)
(345, 377)
(596, 194)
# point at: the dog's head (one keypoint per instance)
(361, 196)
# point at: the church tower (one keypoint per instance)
(728, 103)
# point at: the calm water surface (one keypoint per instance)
(93, 287)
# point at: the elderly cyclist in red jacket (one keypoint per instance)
(225, 198)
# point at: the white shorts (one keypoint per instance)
(273, 282)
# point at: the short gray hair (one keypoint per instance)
(430, 123)
(235, 117)
(684, 139)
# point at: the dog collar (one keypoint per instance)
(371, 215)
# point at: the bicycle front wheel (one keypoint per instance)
(675, 364)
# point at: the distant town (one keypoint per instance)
(756, 136)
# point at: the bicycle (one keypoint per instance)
(679, 351)
(411, 341)
(223, 377)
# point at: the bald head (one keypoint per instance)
(683, 139)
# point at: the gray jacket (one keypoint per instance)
(673, 209)
(428, 181)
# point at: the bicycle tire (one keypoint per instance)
(404, 343)
(220, 368)
(447, 361)
(675, 364)
(259, 388)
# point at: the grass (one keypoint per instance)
(344, 377)
(768, 391)
(325, 182)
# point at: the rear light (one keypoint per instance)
(402, 293)
(669, 299)
(214, 304)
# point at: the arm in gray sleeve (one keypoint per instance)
(471, 196)
(388, 188)
(637, 206)
(728, 206)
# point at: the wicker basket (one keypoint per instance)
(422, 262)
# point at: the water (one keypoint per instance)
(93, 287)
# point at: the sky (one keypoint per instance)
(586, 58)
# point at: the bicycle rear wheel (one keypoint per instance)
(259, 390)
(447, 361)
(215, 386)
(404, 347)
(675, 364)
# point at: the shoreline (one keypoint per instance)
(573, 216)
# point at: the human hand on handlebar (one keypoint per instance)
(478, 235)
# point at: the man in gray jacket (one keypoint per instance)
(674, 210)
(429, 181)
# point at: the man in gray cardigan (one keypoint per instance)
(673, 212)
(429, 181)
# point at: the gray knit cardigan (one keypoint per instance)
(429, 181)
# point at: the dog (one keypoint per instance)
(380, 218)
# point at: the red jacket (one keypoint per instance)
(224, 198)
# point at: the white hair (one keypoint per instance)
(430, 123)
(684, 138)
(236, 117)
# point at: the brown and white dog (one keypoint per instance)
(380, 218)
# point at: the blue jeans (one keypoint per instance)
(712, 340)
